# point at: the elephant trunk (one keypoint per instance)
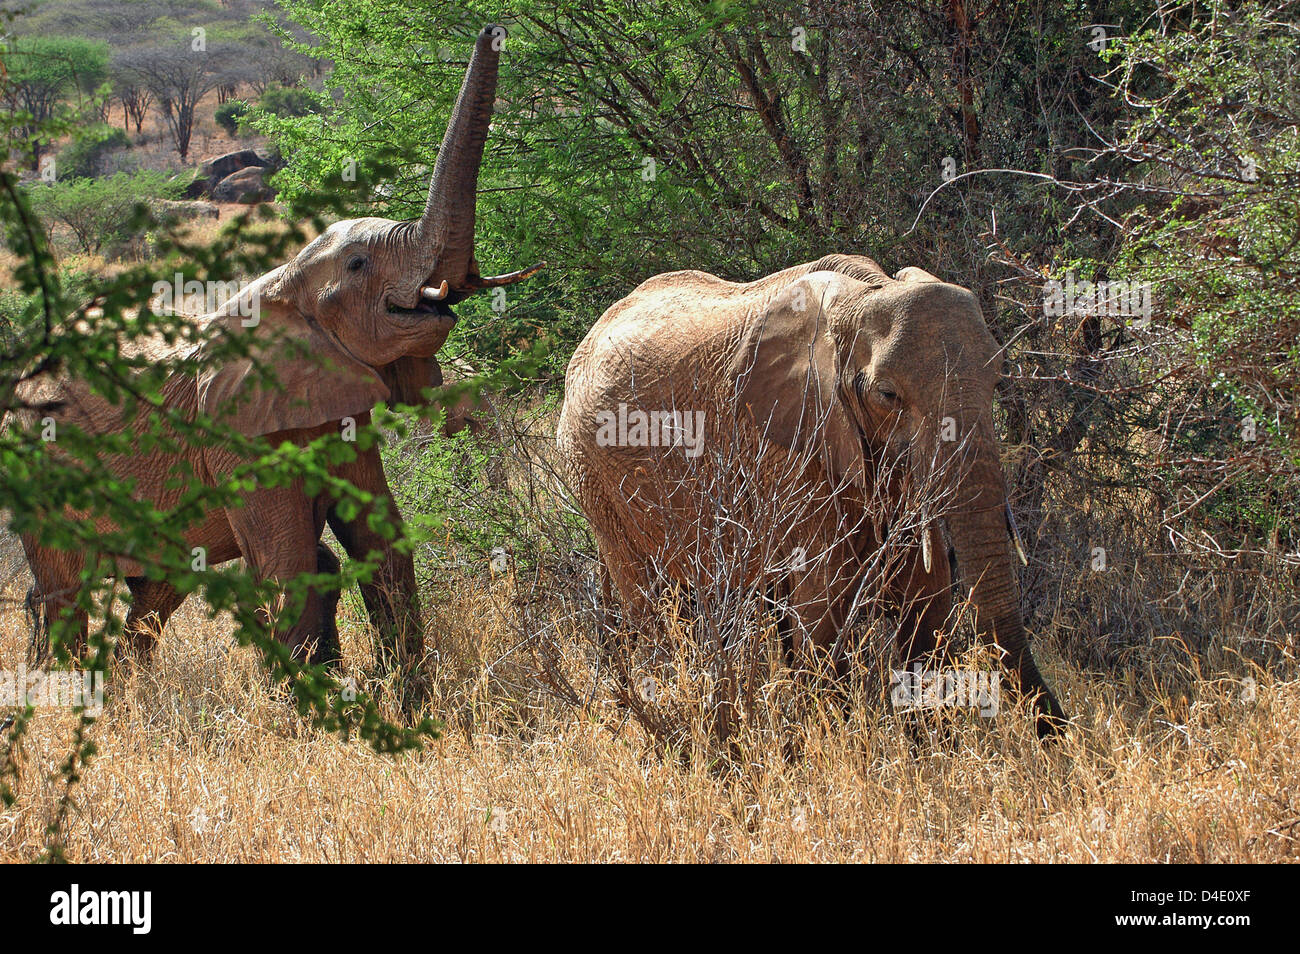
(446, 230)
(977, 523)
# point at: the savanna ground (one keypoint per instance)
(1181, 750)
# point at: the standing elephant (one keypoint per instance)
(797, 410)
(354, 319)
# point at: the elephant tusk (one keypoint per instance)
(435, 294)
(926, 557)
(1015, 536)
(509, 278)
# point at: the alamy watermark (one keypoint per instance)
(203, 298)
(920, 688)
(53, 689)
(1113, 299)
(133, 909)
(638, 428)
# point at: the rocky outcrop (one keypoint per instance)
(246, 185)
(213, 173)
(168, 210)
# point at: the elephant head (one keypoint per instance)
(874, 372)
(357, 316)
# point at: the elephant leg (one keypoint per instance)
(330, 651)
(626, 584)
(392, 601)
(152, 604)
(277, 536)
(820, 600)
(38, 646)
(58, 580)
(630, 582)
(604, 624)
(776, 595)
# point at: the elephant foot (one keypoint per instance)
(1051, 721)
(136, 648)
(326, 650)
(38, 646)
(323, 652)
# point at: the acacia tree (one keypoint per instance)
(177, 76)
(40, 73)
(738, 137)
(133, 96)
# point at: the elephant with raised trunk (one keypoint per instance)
(355, 318)
(823, 398)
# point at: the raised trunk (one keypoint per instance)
(977, 523)
(445, 233)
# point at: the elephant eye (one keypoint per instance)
(887, 395)
(356, 263)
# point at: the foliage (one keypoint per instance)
(287, 101)
(229, 114)
(1215, 137)
(100, 213)
(40, 72)
(91, 152)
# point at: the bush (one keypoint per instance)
(91, 154)
(22, 312)
(284, 101)
(99, 212)
(229, 114)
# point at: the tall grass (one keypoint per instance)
(1181, 678)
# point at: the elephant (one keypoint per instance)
(826, 395)
(356, 318)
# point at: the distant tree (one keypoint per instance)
(285, 66)
(41, 72)
(178, 76)
(120, 22)
(134, 98)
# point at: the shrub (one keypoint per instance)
(99, 212)
(284, 101)
(92, 153)
(22, 312)
(229, 114)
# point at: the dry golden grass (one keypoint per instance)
(200, 762)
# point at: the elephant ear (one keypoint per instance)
(312, 380)
(785, 373)
(407, 378)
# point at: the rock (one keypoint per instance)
(216, 169)
(212, 172)
(271, 159)
(185, 211)
(247, 186)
